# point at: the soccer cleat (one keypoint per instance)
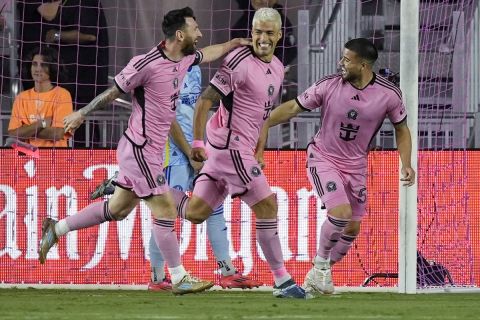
(49, 238)
(319, 279)
(105, 188)
(164, 285)
(289, 289)
(190, 284)
(238, 281)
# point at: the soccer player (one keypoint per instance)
(247, 83)
(154, 80)
(180, 171)
(354, 105)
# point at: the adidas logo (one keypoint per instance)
(356, 97)
(175, 69)
(268, 71)
(237, 138)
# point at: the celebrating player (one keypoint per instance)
(247, 83)
(154, 80)
(354, 105)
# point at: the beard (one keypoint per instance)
(189, 48)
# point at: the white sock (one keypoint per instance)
(226, 267)
(61, 228)
(281, 280)
(319, 261)
(177, 273)
(157, 274)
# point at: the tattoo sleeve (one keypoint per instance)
(100, 101)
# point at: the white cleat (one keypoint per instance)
(319, 280)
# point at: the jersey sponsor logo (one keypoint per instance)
(161, 180)
(362, 195)
(331, 186)
(268, 71)
(271, 90)
(255, 171)
(267, 109)
(348, 131)
(175, 69)
(352, 114)
(356, 97)
(221, 79)
(173, 100)
(175, 83)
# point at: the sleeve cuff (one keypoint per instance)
(301, 106)
(118, 86)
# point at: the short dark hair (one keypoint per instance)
(364, 48)
(56, 71)
(175, 20)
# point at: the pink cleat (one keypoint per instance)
(165, 285)
(238, 281)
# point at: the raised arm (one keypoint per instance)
(205, 102)
(74, 120)
(404, 145)
(212, 53)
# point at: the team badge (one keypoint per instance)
(255, 171)
(271, 89)
(352, 114)
(161, 180)
(331, 186)
(175, 83)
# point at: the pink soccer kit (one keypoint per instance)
(351, 117)
(154, 81)
(249, 87)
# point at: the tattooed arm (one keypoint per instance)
(205, 102)
(74, 120)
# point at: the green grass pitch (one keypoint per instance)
(105, 304)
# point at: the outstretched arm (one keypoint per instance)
(216, 51)
(280, 114)
(74, 120)
(404, 145)
(205, 102)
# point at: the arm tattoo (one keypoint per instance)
(101, 100)
(212, 95)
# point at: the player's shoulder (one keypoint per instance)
(330, 79)
(144, 60)
(277, 64)
(388, 87)
(236, 56)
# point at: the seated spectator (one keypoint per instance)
(37, 113)
(286, 49)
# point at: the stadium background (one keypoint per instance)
(448, 227)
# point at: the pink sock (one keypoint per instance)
(92, 215)
(181, 201)
(341, 248)
(267, 237)
(166, 240)
(331, 231)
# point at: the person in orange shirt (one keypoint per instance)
(37, 113)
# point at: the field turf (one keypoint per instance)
(105, 304)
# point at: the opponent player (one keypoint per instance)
(247, 83)
(354, 105)
(154, 80)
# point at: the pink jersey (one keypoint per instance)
(155, 82)
(350, 118)
(249, 87)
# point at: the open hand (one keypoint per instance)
(73, 121)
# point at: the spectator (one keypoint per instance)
(286, 49)
(37, 114)
(79, 28)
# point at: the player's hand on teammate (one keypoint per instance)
(237, 42)
(198, 154)
(408, 176)
(73, 121)
(196, 165)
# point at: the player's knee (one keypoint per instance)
(343, 211)
(267, 208)
(197, 217)
(352, 229)
(119, 213)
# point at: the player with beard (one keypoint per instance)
(354, 105)
(247, 84)
(154, 79)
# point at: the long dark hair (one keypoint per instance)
(56, 70)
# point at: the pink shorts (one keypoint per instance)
(336, 187)
(231, 172)
(140, 171)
